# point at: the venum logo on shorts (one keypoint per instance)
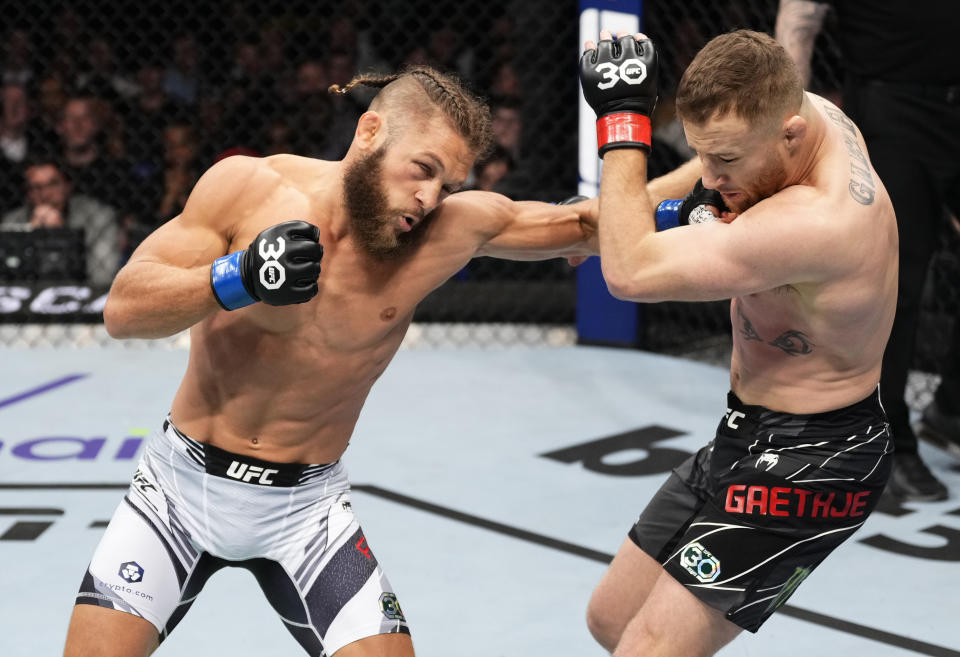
(767, 458)
(700, 563)
(131, 572)
(391, 607)
(247, 473)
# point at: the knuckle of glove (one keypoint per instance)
(277, 258)
(694, 209)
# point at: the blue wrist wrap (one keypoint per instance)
(227, 282)
(668, 214)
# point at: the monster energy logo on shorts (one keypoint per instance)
(700, 563)
(390, 607)
(788, 588)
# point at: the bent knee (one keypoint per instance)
(604, 626)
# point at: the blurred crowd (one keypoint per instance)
(108, 137)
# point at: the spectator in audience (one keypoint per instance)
(183, 79)
(164, 191)
(151, 108)
(278, 137)
(489, 171)
(507, 124)
(15, 139)
(51, 97)
(181, 169)
(49, 202)
(505, 82)
(245, 94)
(322, 123)
(90, 169)
(100, 76)
(344, 35)
(68, 39)
(905, 98)
(18, 65)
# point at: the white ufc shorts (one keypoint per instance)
(193, 508)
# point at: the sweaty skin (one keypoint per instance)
(810, 260)
(287, 383)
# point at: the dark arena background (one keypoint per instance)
(135, 100)
(164, 89)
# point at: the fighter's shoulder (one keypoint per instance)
(475, 208)
(234, 178)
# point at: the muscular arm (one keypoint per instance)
(165, 287)
(759, 251)
(527, 230)
(798, 24)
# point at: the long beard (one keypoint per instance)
(370, 217)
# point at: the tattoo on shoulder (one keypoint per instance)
(794, 343)
(791, 342)
(746, 327)
(862, 187)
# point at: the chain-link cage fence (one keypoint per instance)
(119, 107)
(111, 111)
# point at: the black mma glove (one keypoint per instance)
(280, 267)
(619, 81)
(692, 209)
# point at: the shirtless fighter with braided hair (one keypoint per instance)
(245, 471)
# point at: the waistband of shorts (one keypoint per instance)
(240, 467)
(867, 409)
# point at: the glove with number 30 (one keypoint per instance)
(619, 82)
(280, 267)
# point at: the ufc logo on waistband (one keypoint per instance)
(732, 418)
(246, 473)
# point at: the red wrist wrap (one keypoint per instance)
(623, 127)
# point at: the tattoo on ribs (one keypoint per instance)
(747, 330)
(791, 342)
(794, 343)
(862, 188)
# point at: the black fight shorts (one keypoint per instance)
(743, 521)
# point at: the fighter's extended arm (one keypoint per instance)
(526, 230)
(798, 24)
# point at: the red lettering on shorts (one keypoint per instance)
(757, 499)
(778, 498)
(363, 547)
(821, 505)
(859, 502)
(783, 501)
(842, 513)
(735, 498)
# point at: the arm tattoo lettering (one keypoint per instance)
(862, 188)
(747, 330)
(794, 343)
